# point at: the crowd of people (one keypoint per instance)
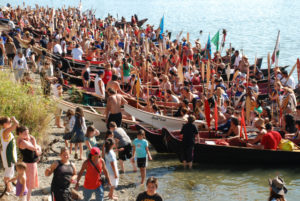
(141, 62)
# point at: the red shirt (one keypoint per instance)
(269, 141)
(277, 136)
(107, 76)
(92, 177)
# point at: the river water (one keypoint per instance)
(252, 26)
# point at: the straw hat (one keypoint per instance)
(278, 186)
(260, 123)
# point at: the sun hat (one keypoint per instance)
(260, 123)
(95, 151)
(278, 186)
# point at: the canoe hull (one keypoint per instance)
(159, 121)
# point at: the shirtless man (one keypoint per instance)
(113, 107)
(114, 84)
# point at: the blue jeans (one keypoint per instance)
(87, 193)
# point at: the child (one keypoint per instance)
(150, 194)
(21, 188)
(108, 134)
(140, 147)
(67, 136)
(77, 123)
(90, 139)
(112, 167)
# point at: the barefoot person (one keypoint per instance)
(30, 151)
(141, 151)
(124, 147)
(112, 167)
(113, 107)
(64, 173)
(21, 188)
(93, 166)
(150, 194)
(8, 150)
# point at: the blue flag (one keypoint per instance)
(161, 26)
(208, 47)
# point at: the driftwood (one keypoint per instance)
(47, 149)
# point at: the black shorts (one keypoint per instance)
(141, 162)
(117, 118)
(188, 153)
(10, 56)
(126, 153)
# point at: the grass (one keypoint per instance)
(30, 108)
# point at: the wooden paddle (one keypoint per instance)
(269, 70)
(291, 72)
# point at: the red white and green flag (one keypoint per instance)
(275, 54)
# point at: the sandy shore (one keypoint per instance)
(128, 187)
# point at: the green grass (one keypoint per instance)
(31, 109)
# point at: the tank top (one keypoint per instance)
(97, 89)
(9, 150)
(92, 176)
(19, 187)
(62, 176)
(29, 156)
(86, 75)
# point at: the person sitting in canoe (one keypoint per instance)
(235, 128)
(294, 135)
(85, 75)
(260, 125)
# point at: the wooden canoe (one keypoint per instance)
(92, 116)
(160, 121)
(236, 153)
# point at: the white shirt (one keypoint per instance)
(97, 89)
(290, 82)
(64, 46)
(237, 61)
(57, 49)
(55, 90)
(20, 63)
(77, 53)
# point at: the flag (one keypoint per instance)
(161, 26)
(207, 113)
(275, 54)
(216, 116)
(215, 40)
(243, 125)
(208, 48)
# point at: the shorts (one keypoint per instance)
(188, 154)
(126, 153)
(126, 79)
(1, 61)
(10, 56)
(117, 118)
(141, 162)
(114, 182)
(9, 172)
(58, 112)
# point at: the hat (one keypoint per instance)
(95, 151)
(277, 70)
(259, 123)
(100, 72)
(26, 32)
(278, 186)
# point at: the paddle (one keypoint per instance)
(269, 69)
(291, 72)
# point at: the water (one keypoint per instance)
(252, 25)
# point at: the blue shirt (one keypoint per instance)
(140, 148)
